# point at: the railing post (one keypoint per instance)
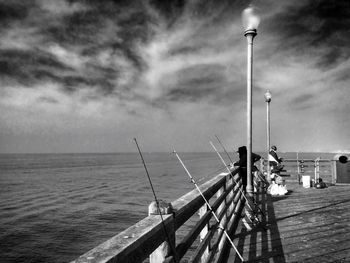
(231, 205)
(164, 250)
(224, 218)
(317, 169)
(334, 172)
(301, 170)
(202, 211)
(298, 166)
(315, 176)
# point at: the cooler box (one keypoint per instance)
(306, 181)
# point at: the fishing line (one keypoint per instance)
(224, 149)
(229, 171)
(209, 206)
(211, 174)
(157, 202)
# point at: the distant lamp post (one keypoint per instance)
(268, 100)
(250, 21)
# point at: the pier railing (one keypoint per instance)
(186, 229)
(315, 168)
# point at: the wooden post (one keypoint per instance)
(298, 167)
(202, 211)
(230, 181)
(164, 250)
(334, 172)
(224, 218)
(313, 181)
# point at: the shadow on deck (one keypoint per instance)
(306, 225)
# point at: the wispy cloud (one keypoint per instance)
(155, 63)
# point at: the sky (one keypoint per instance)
(89, 76)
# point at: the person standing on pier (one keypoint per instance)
(275, 162)
(242, 164)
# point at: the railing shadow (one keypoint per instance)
(262, 243)
(314, 209)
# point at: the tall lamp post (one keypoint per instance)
(250, 21)
(268, 100)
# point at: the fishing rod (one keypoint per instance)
(209, 206)
(256, 218)
(157, 203)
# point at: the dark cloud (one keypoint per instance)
(314, 27)
(129, 18)
(97, 26)
(205, 83)
(49, 100)
(170, 10)
(123, 26)
(34, 67)
(210, 12)
(195, 93)
(196, 83)
(129, 52)
(86, 32)
(13, 11)
(79, 28)
(72, 83)
(23, 66)
(342, 75)
(303, 101)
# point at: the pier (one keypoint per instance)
(305, 225)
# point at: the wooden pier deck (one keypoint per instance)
(307, 225)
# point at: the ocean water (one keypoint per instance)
(55, 207)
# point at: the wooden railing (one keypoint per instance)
(315, 168)
(318, 168)
(187, 231)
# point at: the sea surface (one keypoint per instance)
(55, 207)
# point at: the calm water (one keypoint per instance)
(55, 207)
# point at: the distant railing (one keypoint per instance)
(190, 232)
(315, 168)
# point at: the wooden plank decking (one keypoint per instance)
(307, 225)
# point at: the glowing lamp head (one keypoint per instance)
(268, 96)
(250, 19)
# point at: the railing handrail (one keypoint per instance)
(306, 160)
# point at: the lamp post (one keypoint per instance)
(250, 21)
(268, 100)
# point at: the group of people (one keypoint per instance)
(275, 163)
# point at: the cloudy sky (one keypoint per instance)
(89, 76)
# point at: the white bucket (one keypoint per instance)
(306, 181)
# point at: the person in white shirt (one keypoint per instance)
(275, 162)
